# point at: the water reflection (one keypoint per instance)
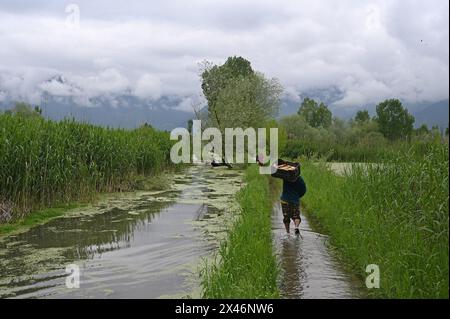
(142, 245)
(293, 275)
(308, 269)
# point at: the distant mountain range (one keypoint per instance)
(168, 112)
(434, 114)
(61, 98)
(127, 112)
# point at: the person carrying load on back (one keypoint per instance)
(290, 202)
(294, 188)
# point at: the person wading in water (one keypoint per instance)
(290, 198)
(290, 203)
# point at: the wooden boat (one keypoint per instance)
(217, 164)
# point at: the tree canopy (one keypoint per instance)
(215, 78)
(362, 116)
(394, 120)
(238, 96)
(315, 114)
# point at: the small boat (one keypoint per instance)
(217, 164)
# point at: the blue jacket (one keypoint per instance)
(292, 191)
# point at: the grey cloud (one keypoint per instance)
(369, 50)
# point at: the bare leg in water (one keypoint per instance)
(287, 226)
(296, 223)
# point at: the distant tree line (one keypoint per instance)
(314, 131)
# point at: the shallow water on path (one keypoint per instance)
(308, 267)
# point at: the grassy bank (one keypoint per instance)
(394, 215)
(42, 216)
(35, 218)
(362, 152)
(246, 266)
(45, 163)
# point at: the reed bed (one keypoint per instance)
(394, 215)
(44, 163)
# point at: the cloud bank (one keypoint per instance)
(369, 50)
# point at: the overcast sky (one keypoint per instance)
(370, 50)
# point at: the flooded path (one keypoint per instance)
(308, 269)
(130, 245)
(149, 244)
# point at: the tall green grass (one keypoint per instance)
(394, 215)
(43, 163)
(362, 152)
(246, 266)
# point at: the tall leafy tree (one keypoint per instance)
(247, 102)
(238, 96)
(216, 78)
(394, 120)
(362, 116)
(316, 115)
(422, 130)
(307, 110)
(323, 116)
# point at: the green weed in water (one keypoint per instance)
(44, 163)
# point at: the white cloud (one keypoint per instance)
(185, 105)
(368, 49)
(108, 81)
(291, 94)
(191, 104)
(148, 86)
